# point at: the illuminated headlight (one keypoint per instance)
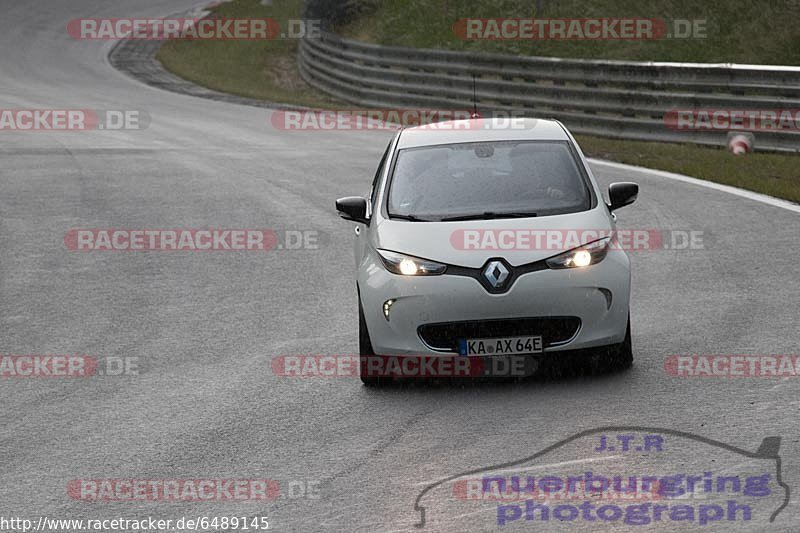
(588, 254)
(406, 265)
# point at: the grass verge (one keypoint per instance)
(736, 31)
(768, 173)
(266, 70)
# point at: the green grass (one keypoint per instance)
(267, 70)
(738, 31)
(767, 173)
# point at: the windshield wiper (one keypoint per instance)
(410, 217)
(486, 215)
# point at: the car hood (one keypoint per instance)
(471, 243)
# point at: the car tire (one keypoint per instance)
(365, 351)
(624, 356)
(590, 361)
(607, 359)
(619, 356)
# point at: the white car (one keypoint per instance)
(481, 240)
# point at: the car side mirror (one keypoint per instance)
(622, 194)
(353, 208)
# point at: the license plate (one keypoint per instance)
(500, 346)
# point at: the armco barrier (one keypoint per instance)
(619, 99)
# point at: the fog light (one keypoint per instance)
(387, 306)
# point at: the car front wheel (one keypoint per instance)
(365, 351)
(615, 357)
(622, 358)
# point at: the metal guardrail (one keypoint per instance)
(618, 99)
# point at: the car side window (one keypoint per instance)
(373, 196)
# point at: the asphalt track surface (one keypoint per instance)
(204, 326)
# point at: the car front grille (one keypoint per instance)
(554, 330)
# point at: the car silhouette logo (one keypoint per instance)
(506, 490)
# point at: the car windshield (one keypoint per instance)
(486, 180)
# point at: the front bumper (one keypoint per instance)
(597, 296)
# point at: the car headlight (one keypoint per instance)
(588, 254)
(406, 265)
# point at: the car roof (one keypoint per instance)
(482, 130)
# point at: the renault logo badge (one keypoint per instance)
(495, 273)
